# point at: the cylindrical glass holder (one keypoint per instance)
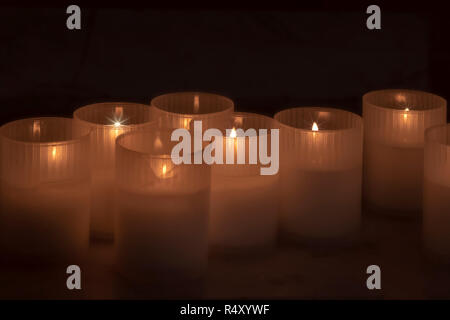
(108, 120)
(181, 109)
(244, 203)
(163, 215)
(44, 174)
(436, 204)
(321, 171)
(394, 125)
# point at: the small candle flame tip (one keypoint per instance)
(233, 133)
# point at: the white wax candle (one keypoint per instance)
(108, 121)
(321, 169)
(44, 191)
(436, 218)
(163, 211)
(394, 126)
(244, 203)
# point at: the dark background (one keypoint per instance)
(265, 56)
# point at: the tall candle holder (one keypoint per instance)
(108, 120)
(436, 200)
(163, 215)
(44, 191)
(244, 203)
(394, 125)
(321, 170)
(179, 110)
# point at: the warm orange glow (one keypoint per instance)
(405, 116)
(162, 169)
(400, 98)
(315, 127)
(119, 112)
(36, 127)
(233, 133)
(54, 152)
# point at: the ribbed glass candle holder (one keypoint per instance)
(436, 204)
(179, 110)
(244, 202)
(394, 125)
(163, 213)
(321, 170)
(108, 120)
(44, 191)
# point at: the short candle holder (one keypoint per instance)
(244, 203)
(107, 121)
(44, 216)
(394, 125)
(163, 215)
(321, 171)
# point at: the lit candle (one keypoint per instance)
(163, 213)
(244, 203)
(394, 126)
(321, 169)
(179, 110)
(436, 215)
(108, 121)
(44, 191)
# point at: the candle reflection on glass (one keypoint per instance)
(108, 121)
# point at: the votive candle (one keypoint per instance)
(108, 120)
(436, 200)
(394, 125)
(44, 175)
(244, 203)
(163, 213)
(321, 170)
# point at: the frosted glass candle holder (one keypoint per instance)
(44, 191)
(163, 212)
(394, 125)
(108, 120)
(321, 170)
(436, 204)
(179, 110)
(244, 203)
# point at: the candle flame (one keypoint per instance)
(405, 116)
(233, 133)
(54, 152)
(117, 124)
(164, 170)
(186, 122)
(315, 127)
